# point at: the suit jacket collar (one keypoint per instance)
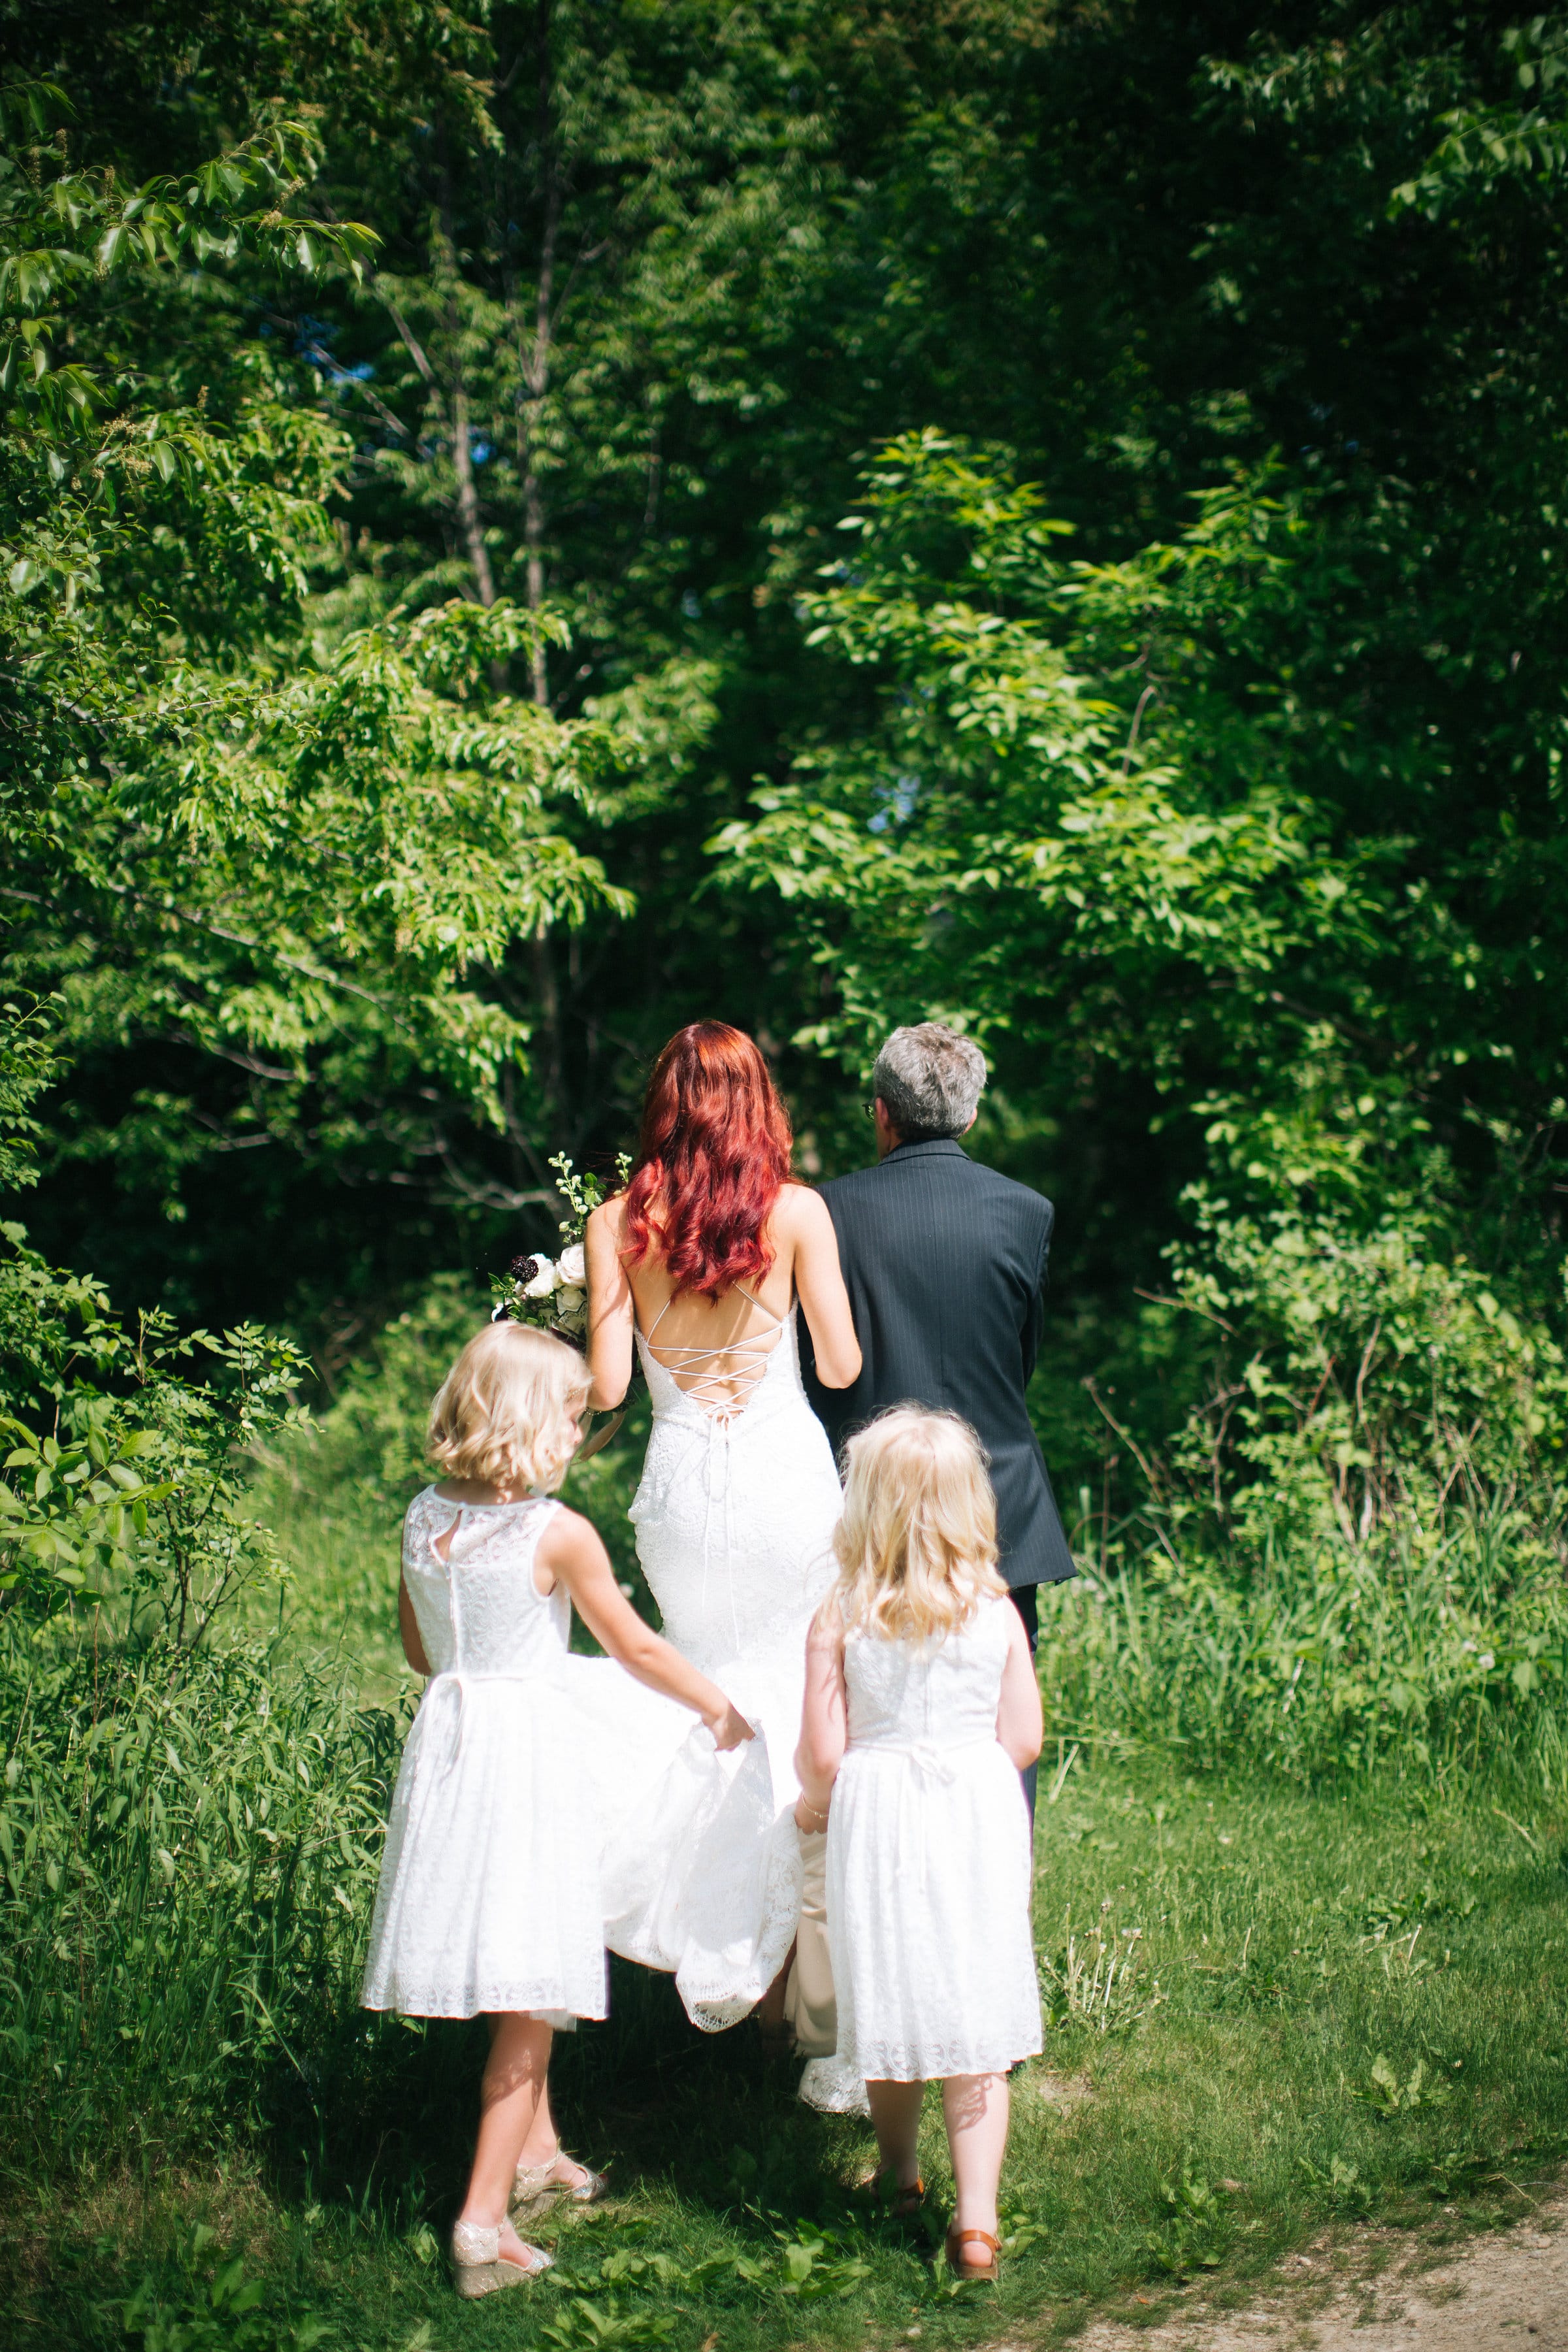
(946, 1144)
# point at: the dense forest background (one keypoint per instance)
(520, 528)
(1046, 516)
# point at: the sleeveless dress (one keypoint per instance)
(929, 1863)
(490, 1895)
(734, 1519)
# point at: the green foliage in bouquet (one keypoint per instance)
(553, 1293)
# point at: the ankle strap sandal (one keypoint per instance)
(965, 2266)
(538, 2186)
(903, 2204)
(479, 2267)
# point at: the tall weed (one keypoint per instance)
(1355, 1549)
(189, 1846)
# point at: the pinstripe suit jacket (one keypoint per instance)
(944, 1260)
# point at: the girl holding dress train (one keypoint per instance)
(921, 1708)
(490, 1902)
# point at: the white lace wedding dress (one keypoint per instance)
(734, 1522)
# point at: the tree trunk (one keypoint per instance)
(468, 521)
(533, 354)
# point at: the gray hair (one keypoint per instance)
(930, 1078)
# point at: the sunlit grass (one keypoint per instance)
(1274, 2006)
(1326, 2006)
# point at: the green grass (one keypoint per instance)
(1342, 2005)
(1274, 2007)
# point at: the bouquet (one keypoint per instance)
(553, 1292)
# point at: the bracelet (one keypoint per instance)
(818, 1813)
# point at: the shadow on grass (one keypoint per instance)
(381, 2120)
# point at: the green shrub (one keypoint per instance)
(1355, 1547)
(129, 1450)
(189, 1846)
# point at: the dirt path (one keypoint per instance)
(1381, 2291)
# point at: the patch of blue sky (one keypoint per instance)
(898, 800)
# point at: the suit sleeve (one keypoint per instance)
(1034, 1323)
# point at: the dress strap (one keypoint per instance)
(758, 1304)
(658, 1319)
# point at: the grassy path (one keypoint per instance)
(1443, 2289)
(1273, 2012)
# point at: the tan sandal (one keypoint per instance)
(478, 2267)
(903, 2204)
(959, 2262)
(536, 2187)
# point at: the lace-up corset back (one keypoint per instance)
(931, 1695)
(720, 1382)
(478, 1609)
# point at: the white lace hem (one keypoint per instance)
(937, 2062)
(833, 2088)
(528, 1998)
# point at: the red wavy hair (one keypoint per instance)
(712, 1158)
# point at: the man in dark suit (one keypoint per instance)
(945, 1262)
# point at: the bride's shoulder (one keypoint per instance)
(799, 1208)
(604, 1236)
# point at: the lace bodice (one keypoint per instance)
(915, 1696)
(735, 1511)
(479, 1612)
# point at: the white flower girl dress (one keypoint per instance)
(490, 1895)
(929, 1863)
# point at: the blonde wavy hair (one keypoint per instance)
(503, 1413)
(917, 1543)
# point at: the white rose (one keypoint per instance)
(570, 1300)
(573, 1266)
(543, 1281)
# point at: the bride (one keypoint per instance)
(703, 1263)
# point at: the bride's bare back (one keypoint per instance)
(716, 1349)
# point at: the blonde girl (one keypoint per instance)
(921, 1708)
(489, 1901)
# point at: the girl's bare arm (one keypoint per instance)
(408, 1626)
(610, 1308)
(571, 1554)
(825, 1720)
(1020, 1722)
(819, 1281)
